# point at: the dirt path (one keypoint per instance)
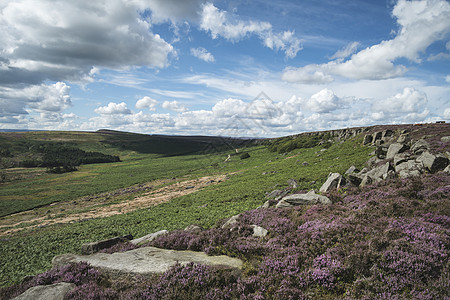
(99, 208)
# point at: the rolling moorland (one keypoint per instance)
(381, 235)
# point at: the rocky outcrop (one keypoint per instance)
(146, 260)
(55, 291)
(303, 199)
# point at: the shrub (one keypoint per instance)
(244, 155)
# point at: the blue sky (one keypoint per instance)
(241, 68)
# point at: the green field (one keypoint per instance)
(30, 251)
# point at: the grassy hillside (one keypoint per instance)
(144, 158)
(249, 180)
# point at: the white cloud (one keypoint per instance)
(310, 74)
(174, 105)
(64, 40)
(347, 51)
(447, 78)
(447, 113)
(220, 23)
(113, 109)
(41, 98)
(421, 24)
(323, 101)
(147, 102)
(228, 108)
(408, 101)
(203, 54)
(174, 10)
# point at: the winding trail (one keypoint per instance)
(101, 209)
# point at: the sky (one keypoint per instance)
(230, 68)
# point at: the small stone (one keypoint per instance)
(55, 291)
(231, 221)
(334, 181)
(149, 237)
(445, 139)
(259, 231)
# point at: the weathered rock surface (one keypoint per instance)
(94, 247)
(445, 139)
(395, 149)
(433, 163)
(409, 168)
(149, 237)
(334, 181)
(380, 171)
(303, 199)
(420, 146)
(55, 291)
(146, 260)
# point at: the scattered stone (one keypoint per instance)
(380, 171)
(277, 194)
(433, 163)
(94, 247)
(395, 149)
(55, 291)
(149, 237)
(303, 199)
(305, 164)
(420, 146)
(259, 231)
(147, 260)
(266, 204)
(334, 181)
(193, 228)
(351, 170)
(293, 183)
(445, 139)
(231, 221)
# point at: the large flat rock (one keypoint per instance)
(147, 260)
